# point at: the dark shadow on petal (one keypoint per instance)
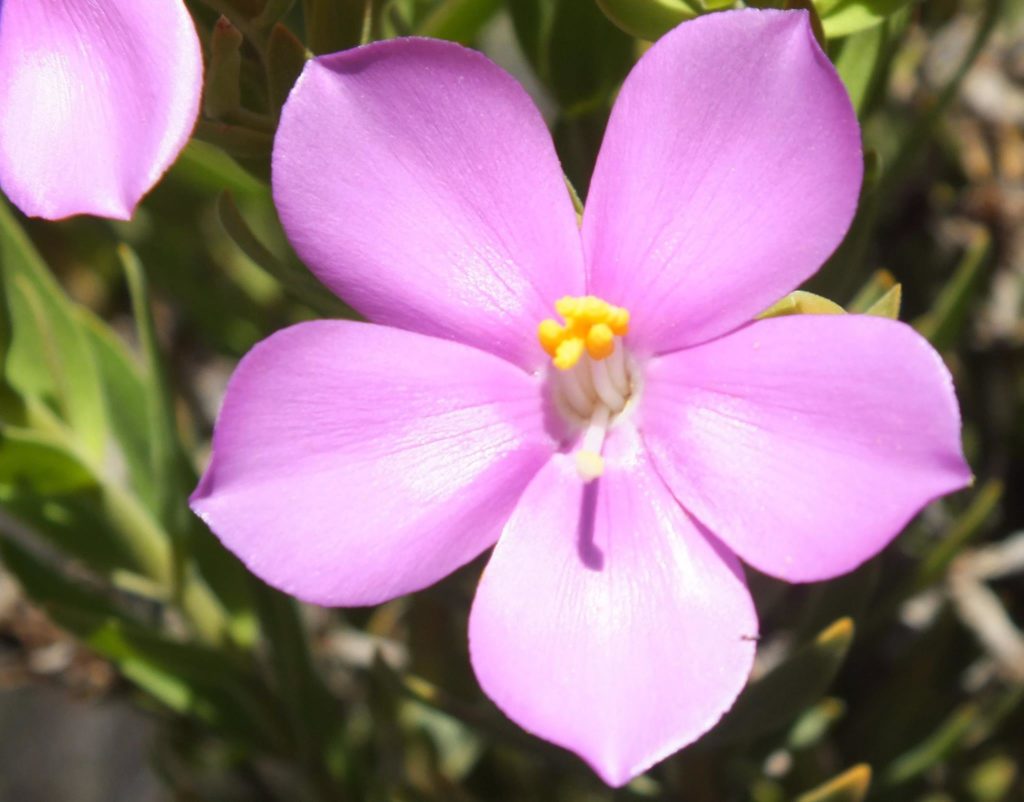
(590, 554)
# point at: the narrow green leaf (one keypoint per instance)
(208, 168)
(48, 357)
(789, 689)
(647, 19)
(859, 62)
(191, 680)
(942, 325)
(294, 278)
(968, 525)
(165, 457)
(458, 20)
(935, 747)
(815, 723)
(847, 17)
(125, 395)
(850, 786)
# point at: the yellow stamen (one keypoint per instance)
(600, 341)
(568, 353)
(591, 326)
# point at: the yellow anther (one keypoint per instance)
(600, 341)
(591, 324)
(567, 307)
(618, 320)
(550, 334)
(568, 353)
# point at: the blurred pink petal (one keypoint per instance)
(96, 101)
(729, 172)
(419, 182)
(606, 621)
(806, 443)
(353, 463)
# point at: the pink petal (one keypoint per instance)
(729, 172)
(606, 621)
(96, 101)
(419, 182)
(353, 463)
(805, 443)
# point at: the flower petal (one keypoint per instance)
(353, 463)
(729, 172)
(606, 621)
(419, 182)
(805, 443)
(96, 101)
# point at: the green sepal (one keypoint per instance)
(802, 303)
(850, 786)
(888, 305)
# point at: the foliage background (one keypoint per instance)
(902, 681)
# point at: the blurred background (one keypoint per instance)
(902, 681)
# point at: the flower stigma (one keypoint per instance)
(593, 377)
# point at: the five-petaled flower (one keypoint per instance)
(96, 101)
(627, 451)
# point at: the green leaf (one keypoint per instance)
(189, 679)
(850, 786)
(942, 325)
(847, 17)
(859, 64)
(40, 462)
(125, 395)
(802, 303)
(967, 526)
(210, 170)
(784, 693)
(48, 357)
(295, 278)
(458, 20)
(165, 457)
(941, 742)
(577, 53)
(647, 19)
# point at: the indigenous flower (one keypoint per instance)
(96, 101)
(598, 397)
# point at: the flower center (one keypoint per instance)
(593, 379)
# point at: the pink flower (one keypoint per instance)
(96, 101)
(355, 462)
